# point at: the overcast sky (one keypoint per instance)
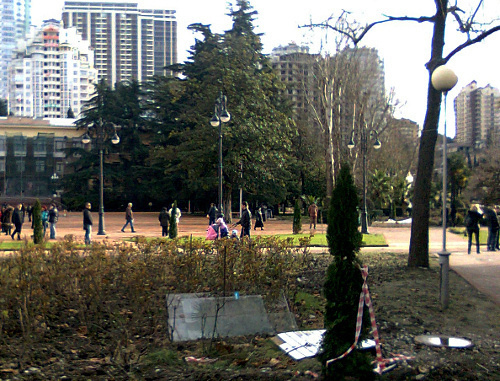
(404, 46)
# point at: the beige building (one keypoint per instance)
(33, 155)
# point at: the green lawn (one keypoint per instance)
(483, 234)
(369, 240)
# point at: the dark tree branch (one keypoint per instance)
(469, 42)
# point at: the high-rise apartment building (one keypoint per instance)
(51, 73)
(129, 42)
(15, 19)
(477, 116)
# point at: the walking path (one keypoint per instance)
(482, 271)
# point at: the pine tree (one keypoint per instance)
(343, 285)
(297, 223)
(172, 228)
(37, 223)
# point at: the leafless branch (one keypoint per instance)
(469, 42)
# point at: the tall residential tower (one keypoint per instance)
(15, 19)
(129, 43)
(477, 115)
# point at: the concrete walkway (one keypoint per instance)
(482, 271)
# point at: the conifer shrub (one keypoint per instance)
(297, 223)
(37, 223)
(172, 228)
(343, 285)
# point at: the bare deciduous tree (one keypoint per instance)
(475, 32)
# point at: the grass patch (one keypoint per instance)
(483, 234)
(369, 240)
(309, 302)
(162, 357)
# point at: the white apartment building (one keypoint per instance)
(51, 73)
(129, 42)
(477, 113)
(15, 18)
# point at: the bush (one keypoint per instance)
(116, 293)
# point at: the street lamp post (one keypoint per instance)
(100, 142)
(364, 149)
(220, 116)
(444, 79)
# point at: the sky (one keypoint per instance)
(404, 46)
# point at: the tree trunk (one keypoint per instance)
(419, 241)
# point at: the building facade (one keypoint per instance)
(129, 43)
(477, 113)
(51, 73)
(15, 19)
(33, 155)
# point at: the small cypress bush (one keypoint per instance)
(172, 228)
(343, 285)
(297, 223)
(37, 223)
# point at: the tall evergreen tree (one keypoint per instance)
(259, 133)
(37, 222)
(343, 285)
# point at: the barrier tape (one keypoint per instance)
(364, 298)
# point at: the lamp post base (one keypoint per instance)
(444, 269)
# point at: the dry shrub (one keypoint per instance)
(115, 293)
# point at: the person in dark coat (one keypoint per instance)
(53, 218)
(492, 221)
(87, 223)
(164, 219)
(245, 221)
(129, 218)
(17, 220)
(7, 219)
(212, 213)
(472, 225)
(259, 220)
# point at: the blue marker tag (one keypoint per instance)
(236, 295)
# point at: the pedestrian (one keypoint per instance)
(164, 218)
(259, 220)
(177, 213)
(17, 220)
(29, 210)
(212, 213)
(472, 225)
(87, 223)
(245, 221)
(53, 218)
(313, 215)
(234, 235)
(129, 218)
(45, 219)
(222, 231)
(497, 245)
(7, 219)
(491, 218)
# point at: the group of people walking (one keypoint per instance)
(13, 218)
(475, 215)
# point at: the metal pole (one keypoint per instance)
(364, 221)
(101, 191)
(221, 209)
(444, 255)
(241, 188)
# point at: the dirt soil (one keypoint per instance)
(406, 305)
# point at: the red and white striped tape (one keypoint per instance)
(364, 298)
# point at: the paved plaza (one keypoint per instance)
(482, 271)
